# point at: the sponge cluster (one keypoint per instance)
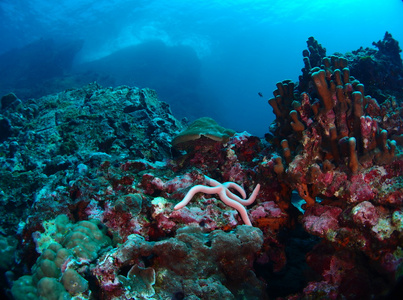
(56, 273)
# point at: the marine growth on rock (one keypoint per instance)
(91, 178)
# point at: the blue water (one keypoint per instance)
(203, 57)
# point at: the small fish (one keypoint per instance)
(260, 94)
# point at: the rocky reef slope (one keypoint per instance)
(91, 179)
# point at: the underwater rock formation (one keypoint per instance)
(69, 132)
(39, 68)
(381, 70)
(90, 179)
(194, 263)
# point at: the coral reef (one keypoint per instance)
(96, 186)
(192, 262)
(381, 70)
(128, 190)
(69, 131)
(338, 152)
(56, 273)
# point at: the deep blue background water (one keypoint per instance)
(203, 57)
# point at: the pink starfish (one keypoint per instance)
(225, 194)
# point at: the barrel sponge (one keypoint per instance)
(51, 289)
(86, 239)
(73, 282)
(24, 289)
(206, 127)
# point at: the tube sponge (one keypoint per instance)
(319, 78)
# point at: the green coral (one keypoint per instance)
(64, 247)
(74, 282)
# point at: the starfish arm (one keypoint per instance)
(197, 189)
(236, 187)
(211, 181)
(226, 196)
(232, 196)
(253, 196)
(248, 201)
(239, 207)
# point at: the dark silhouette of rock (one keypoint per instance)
(26, 70)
